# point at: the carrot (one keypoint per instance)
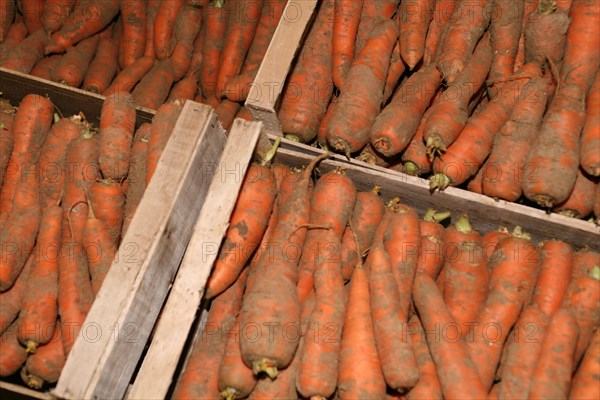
(310, 87)
(366, 216)
(523, 349)
(547, 22)
(514, 269)
(395, 73)
(442, 14)
(215, 28)
(45, 365)
(346, 18)
(133, 17)
(370, 156)
(136, 175)
(580, 202)
(465, 156)
(463, 34)
(373, 12)
(451, 357)
(351, 120)
(331, 206)
(55, 13)
(197, 57)
(183, 90)
(584, 303)
(129, 77)
(226, 112)
(32, 11)
(431, 257)
(551, 377)
(153, 88)
(281, 307)
(45, 67)
(16, 33)
(244, 114)
(585, 380)
(40, 308)
(187, 27)
(590, 137)
(199, 379)
(322, 132)
(360, 373)
(450, 112)
(491, 239)
(152, 7)
(398, 362)
(597, 204)
(7, 15)
(82, 157)
(108, 200)
(555, 273)
(329, 222)
(7, 116)
(103, 67)
(396, 125)
(12, 299)
(52, 162)
(73, 65)
(584, 261)
(23, 57)
(414, 18)
(415, 157)
(505, 29)
(506, 166)
(428, 386)
(237, 88)
(164, 26)
(80, 26)
(117, 124)
(13, 354)
(160, 131)
(247, 225)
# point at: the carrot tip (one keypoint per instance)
(463, 225)
(439, 181)
(31, 347)
(229, 394)
(382, 145)
(265, 365)
(32, 381)
(435, 147)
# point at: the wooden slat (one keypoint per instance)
(156, 373)
(119, 323)
(18, 392)
(68, 101)
(276, 64)
(485, 213)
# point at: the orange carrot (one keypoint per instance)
(451, 357)
(585, 381)
(514, 267)
(366, 216)
(32, 12)
(469, 20)
(395, 73)
(506, 167)
(136, 175)
(278, 308)
(414, 18)
(226, 112)
(245, 114)
(552, 375)
(13, 354)
(584, 303)
(346, 18)
(590, 137)
(55, 13)
(160, 131)
(133, 17)
(523, 349)
(152, 7)
(7, 15)
(597, 203)
(40, 308)
(45, 365)
(199, 379)
(360, 373)
(546, 22)
(396, 125)
(351, 120)
(505, 29)
(555, 274)
(12, 299)
(15, 35)
(431, 256)
(107, 200)
(215, 28)
(187, 27)
(442, 14)
(247, 225)
(45, 67)
(73, 65)
(373, 12)
(23, 57)
(164, 26)
(428, 386)
(183, 90)
(7, 116)
(236, 380)
(153, 88)
(129, 77)
(491, 239)
(197, 56)
(103, 67)
(415, 157)
(310, 87)
(580, 202)
(80, 26)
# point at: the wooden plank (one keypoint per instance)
(155, 375)
(68, 101)
(484, 212)
(17, 392)
(270, 78)
(119, 323)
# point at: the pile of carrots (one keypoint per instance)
(322, 291)
(69, 191)
(498, 96)
(158, 50)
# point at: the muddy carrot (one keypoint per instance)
(373, 12)
(346, 18)
(183, 90)
(129, 77)
(133, 17)
(215, 28)
(428, 386)
(442, 14)
(546, 22)
(415, 157)
(55, 13)
(395, 73)
(590, 137)
(108, 200)
(12, 299)
(103, 67)
(585, 381)
(505, 28)
(15, 35)
(491, 239)
(7, 15)
(7, 116)
(32, 12)
(46, 66)
(136, 175)
(23, 57)
(226, 112)
(13, 354)
(414, 18)
(187, 27)
(73, 65)
(555, 273)
(153, 88)
(431, 255)
(164, 26)
(45, 365)
(160, 131)
(584, 303)
(580, 202)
